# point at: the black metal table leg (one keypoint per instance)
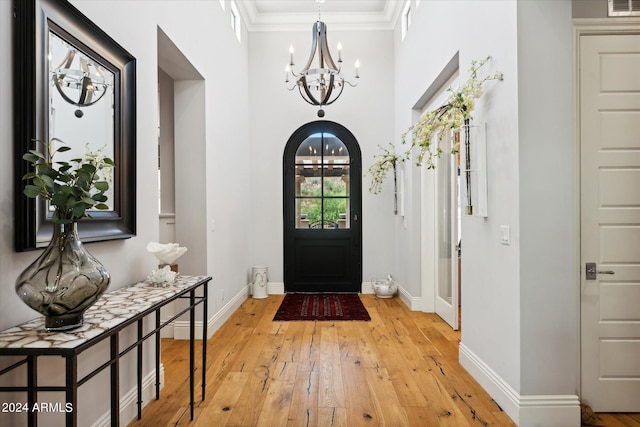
(32, 394)
(192, 323)
(71, 392)
(157, 354)
(139, 369)
(204, 339)
(31, 355)
(115, 381)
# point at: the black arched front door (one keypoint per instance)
(322, 210)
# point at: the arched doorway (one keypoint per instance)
(322, 210)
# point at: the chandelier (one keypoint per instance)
(320, 82)
(79, 80)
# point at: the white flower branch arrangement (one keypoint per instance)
(384, 162)
(454, 114)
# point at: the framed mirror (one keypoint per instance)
(72, 82)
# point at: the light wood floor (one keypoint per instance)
(399, 369)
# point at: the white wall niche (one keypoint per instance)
(473, 169)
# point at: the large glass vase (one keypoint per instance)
(63, 281)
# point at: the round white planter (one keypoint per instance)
(385, 289)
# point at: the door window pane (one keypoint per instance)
(310, 151)
(335, 212)
(322, 183)
(308, 212)
(334, 148)
(309, 183)
(335, 186)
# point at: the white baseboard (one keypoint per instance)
(525, 411)
(412, 302)
(218, 319)
(275, 288)
(167, 331)
(181, 327)
(367, 288)
(128, 400)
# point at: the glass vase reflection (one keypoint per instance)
(63, 281)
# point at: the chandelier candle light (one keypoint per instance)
(322, 85)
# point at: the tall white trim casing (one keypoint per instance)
(585, 27)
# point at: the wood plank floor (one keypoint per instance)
(399, 369)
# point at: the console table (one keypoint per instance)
(104, 320)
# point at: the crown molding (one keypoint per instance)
(256, 21)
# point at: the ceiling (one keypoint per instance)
(311, 6)
(270, 15)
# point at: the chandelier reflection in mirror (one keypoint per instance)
(320, 82)
(80, 80)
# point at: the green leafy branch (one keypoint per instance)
(70, 187)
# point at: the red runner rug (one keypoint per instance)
(322, 306)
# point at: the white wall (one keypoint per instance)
(519, 304)
(191, 165)
(548, 274)
(490, 271)
(166, 144)
(202, 32)
(519, 313)
(589, 8)
(366, 110)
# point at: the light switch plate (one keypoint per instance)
(505, 234)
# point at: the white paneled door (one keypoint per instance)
(610, 221)
(446, 236)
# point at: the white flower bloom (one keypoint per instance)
(383, 164)
(451, 116)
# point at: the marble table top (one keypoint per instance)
(112, 309)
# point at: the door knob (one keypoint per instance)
(591, 271)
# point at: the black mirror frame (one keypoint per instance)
(33, 19)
